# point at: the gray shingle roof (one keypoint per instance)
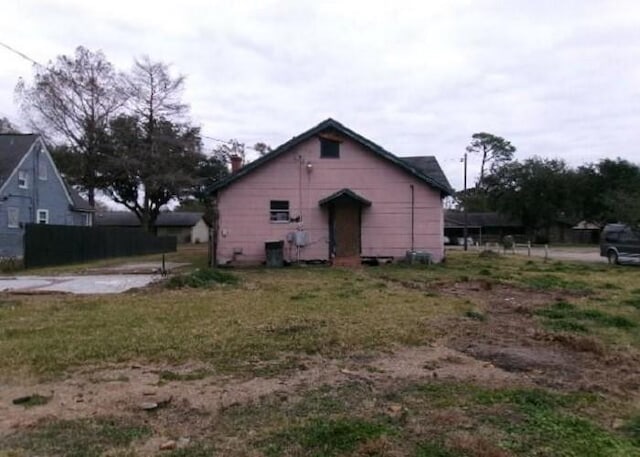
(116, 219)
(333, 125)
(79, 203)
(453, 219)
(128, 219)
(429, 166)
(13, 148)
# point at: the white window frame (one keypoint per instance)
(46, 216)
(15, 216)
(23, 179)
(87, 219)
(43, 174)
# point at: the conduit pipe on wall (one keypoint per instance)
(413, 205)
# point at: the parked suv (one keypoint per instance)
(620, 243)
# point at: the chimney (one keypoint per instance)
(236, 163)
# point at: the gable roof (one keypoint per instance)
(424, 173)
(129, 219)
(78, 203)
(13, 148)
(344, 193)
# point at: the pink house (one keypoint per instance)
(330, 194)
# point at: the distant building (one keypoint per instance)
(489, 227)
(187, 227)
(32, 191)
(331, 194)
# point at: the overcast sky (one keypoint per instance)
(557, 78)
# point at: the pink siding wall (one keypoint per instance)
(386, 224)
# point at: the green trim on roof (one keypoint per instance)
(337, 126)
(344, 193)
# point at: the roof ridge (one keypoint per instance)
(330, 122)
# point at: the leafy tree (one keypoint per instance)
(619, 186)
(474, 199)
(262, 148)
(209, 171)
(72, 100)
(607, 191)
(535, 191)
(586, 193)
(145, 174)
(494, 150)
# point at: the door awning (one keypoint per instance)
(344, 194)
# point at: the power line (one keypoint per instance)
(227, 142)
(21, 54)
(26, 57)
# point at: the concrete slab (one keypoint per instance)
(24, 282)
(136, 268)
(84, 284)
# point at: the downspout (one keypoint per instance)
(35, 160)
(413, 205)
(213, 231)
(300, 186)
(299, 203)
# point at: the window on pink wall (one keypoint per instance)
(279, 211)
(329, 149)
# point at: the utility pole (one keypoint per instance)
(465, 232)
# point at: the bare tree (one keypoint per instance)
(154, 155)
(232, 148)
(7, 127)
(153, 94)
(72, 100)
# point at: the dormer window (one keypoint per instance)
(23, 179)
(329, 149)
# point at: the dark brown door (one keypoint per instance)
(346, 228)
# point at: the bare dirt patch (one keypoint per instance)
(126, 391)
(511, 338)
(504, 348)
(492, 338)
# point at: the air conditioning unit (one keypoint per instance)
(301, 238)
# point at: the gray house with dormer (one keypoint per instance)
(32, 191)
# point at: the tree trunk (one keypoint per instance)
(91, 196)
(144, 221)
(482, 165)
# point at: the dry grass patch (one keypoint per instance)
(335, 312)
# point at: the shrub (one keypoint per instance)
(202, 278)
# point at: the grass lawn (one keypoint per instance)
(251, 325)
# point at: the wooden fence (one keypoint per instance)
(46, 245)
